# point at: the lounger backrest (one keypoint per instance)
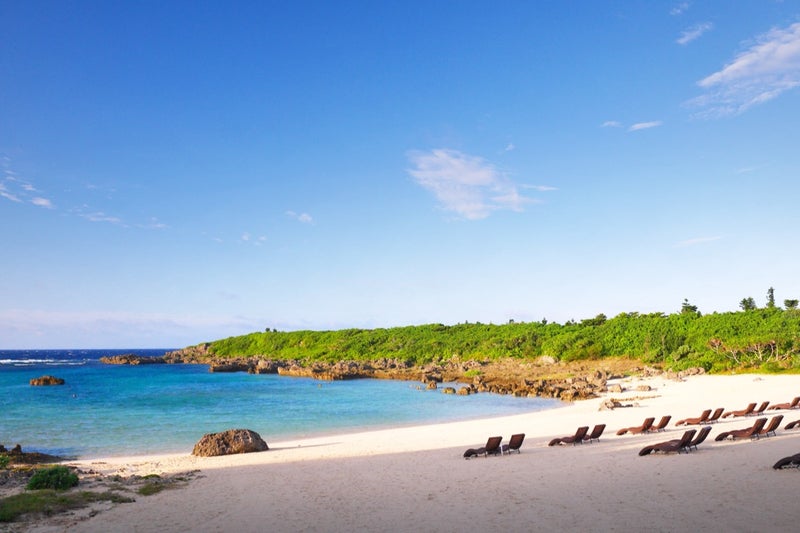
(762, 407)
(758, 426)
(773, 424)
(687, 437)
(597, 431)
(516, 441)
(582, 431)
(648, 423)
(493, 443)
(664, 421)
(750, 408)
(704, 416)
(717, 414)
(701, 436)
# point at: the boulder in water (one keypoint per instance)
(46, 380)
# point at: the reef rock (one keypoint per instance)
(131, 359)
(46, 380)
(229, 442)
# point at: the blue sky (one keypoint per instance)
(178, 172)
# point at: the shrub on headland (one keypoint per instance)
(762, 339)
(54, 477)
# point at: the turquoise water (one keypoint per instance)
(107, 410)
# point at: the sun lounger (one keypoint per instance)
(577, 438)
(771, 427)
(646, 425)
(674, 445)
(662, 424)
(794, 404)
(792, 425)
(751, 432)
(760, 410)
(692, 421)
(514, 443)
(492, 448)
(744, 412)
(595, 434)
(793, 461)
(715, 417)
(699, 438)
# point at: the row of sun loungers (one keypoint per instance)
(705, 418)
(690, 439)
(757, 430)
(581, 435)
(494, 446)
(647, 426)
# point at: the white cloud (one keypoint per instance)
(679, 9)
(693, 33)
(645, 125)
(510, 147)
(696, 241)
(540, 188)
(305, 218)
(467, 185)
(764, 71)
(99, 216)
(5, 193)
(42, 202)
(611, 124)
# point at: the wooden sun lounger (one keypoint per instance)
(771, 427)
(744, 412)
(514, 443)
(693, 421)
(577, 438)
(492, 448)
(699, 438)
(646, 425)
(595, 434)
(792, 425)
(793, 461)
(794, 404)
(751, 432)
(674, 445)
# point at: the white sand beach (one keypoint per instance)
(415, 478)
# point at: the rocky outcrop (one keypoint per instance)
(46, 380)
(131, 359)
(229, 442)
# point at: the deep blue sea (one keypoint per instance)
(109, 410)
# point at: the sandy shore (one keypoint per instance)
(415, 479)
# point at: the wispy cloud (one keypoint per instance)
(540, 188)
(764, 71)
(510, 147)
(305, 218)
(99, 216)
(611, 124)
(679, 9)
(693, 33)
(645, 125)
(42, 202)
(467, 185)
(696, 241)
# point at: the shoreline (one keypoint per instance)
(407, 478)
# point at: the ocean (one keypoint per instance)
(112, 410)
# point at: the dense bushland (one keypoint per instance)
(756, 339)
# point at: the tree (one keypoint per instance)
(771, 298)
(689, 309)
(790, 304)
(748, 304)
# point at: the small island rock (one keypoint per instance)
(229, 442)
(46, 380)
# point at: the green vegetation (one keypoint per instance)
(54, 477)
(766, 339)
(4, 460)
(50, 502)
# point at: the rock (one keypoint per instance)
(229, 442)
(431, 385)
(616, 387)
(643, 388)
(464, 391)
(449, 390)
(46, 380)
(131, 359)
